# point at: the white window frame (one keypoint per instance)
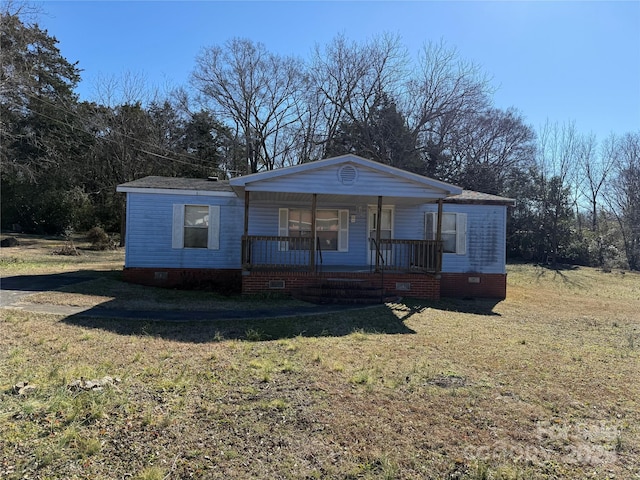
(431, 218)
(343, 227)
(213, 232)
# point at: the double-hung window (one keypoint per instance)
(332, 228)
(196, 226)
(454, 231)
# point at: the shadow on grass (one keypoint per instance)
(275, 320)
(269, 320)
(42, 283)
(475, 306)
(558, 271)
(278, 323)
(320, 323)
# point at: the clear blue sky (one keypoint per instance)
(562, 61)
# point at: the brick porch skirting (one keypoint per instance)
(401, 284)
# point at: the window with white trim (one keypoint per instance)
(454, 231)
(196, 226)
(332, 228)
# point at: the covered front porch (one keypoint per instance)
(322, 221)
(266, 253)
(372, 266)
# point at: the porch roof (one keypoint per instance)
(342, 177)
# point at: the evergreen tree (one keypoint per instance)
(382, 136)
(41, 134)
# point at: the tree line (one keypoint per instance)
(247, 109)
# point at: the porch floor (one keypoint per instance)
(339, 269)
(346, 268)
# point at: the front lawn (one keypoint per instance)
(543, 385)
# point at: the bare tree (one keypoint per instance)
(349, 79)
(129, 88)
(486, 147)
(623, 196)
(442, 91)
(595, 170)
(257, 92)
(557, 161)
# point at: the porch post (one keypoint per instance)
(245, 235)
(246, 213)
(314, 234)
(439, 238)
(378, 225)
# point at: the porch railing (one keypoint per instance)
(410, 255)
(274, 252)
(294, 253)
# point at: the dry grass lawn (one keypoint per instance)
(544, 385)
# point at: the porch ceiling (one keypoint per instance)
(335, 199)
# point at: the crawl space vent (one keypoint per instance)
(276, 284)
(347, 175)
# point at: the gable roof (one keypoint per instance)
(324, 176)
(263, 181)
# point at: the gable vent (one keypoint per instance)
(347, 175)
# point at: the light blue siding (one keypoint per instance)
(263, 220)
(486, 237)
(149, 232)
(326, 181)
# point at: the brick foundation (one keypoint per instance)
(405, 285)
(476, 285)
(412, 285)
(226, 281)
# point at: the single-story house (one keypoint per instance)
(326, 229)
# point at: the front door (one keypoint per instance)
(386, 231)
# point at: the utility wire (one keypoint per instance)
(116, 131)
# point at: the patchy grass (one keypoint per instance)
(540, 386)
(37, 255)
(105, 288)
(109, 291)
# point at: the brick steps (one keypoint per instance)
(343, 291)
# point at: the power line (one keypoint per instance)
(115, 130)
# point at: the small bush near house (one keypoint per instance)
(100, 240)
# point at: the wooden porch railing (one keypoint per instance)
(410, 255)
(293, 253)
(279, 253)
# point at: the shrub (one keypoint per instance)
(68, 249)
(100, 240)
